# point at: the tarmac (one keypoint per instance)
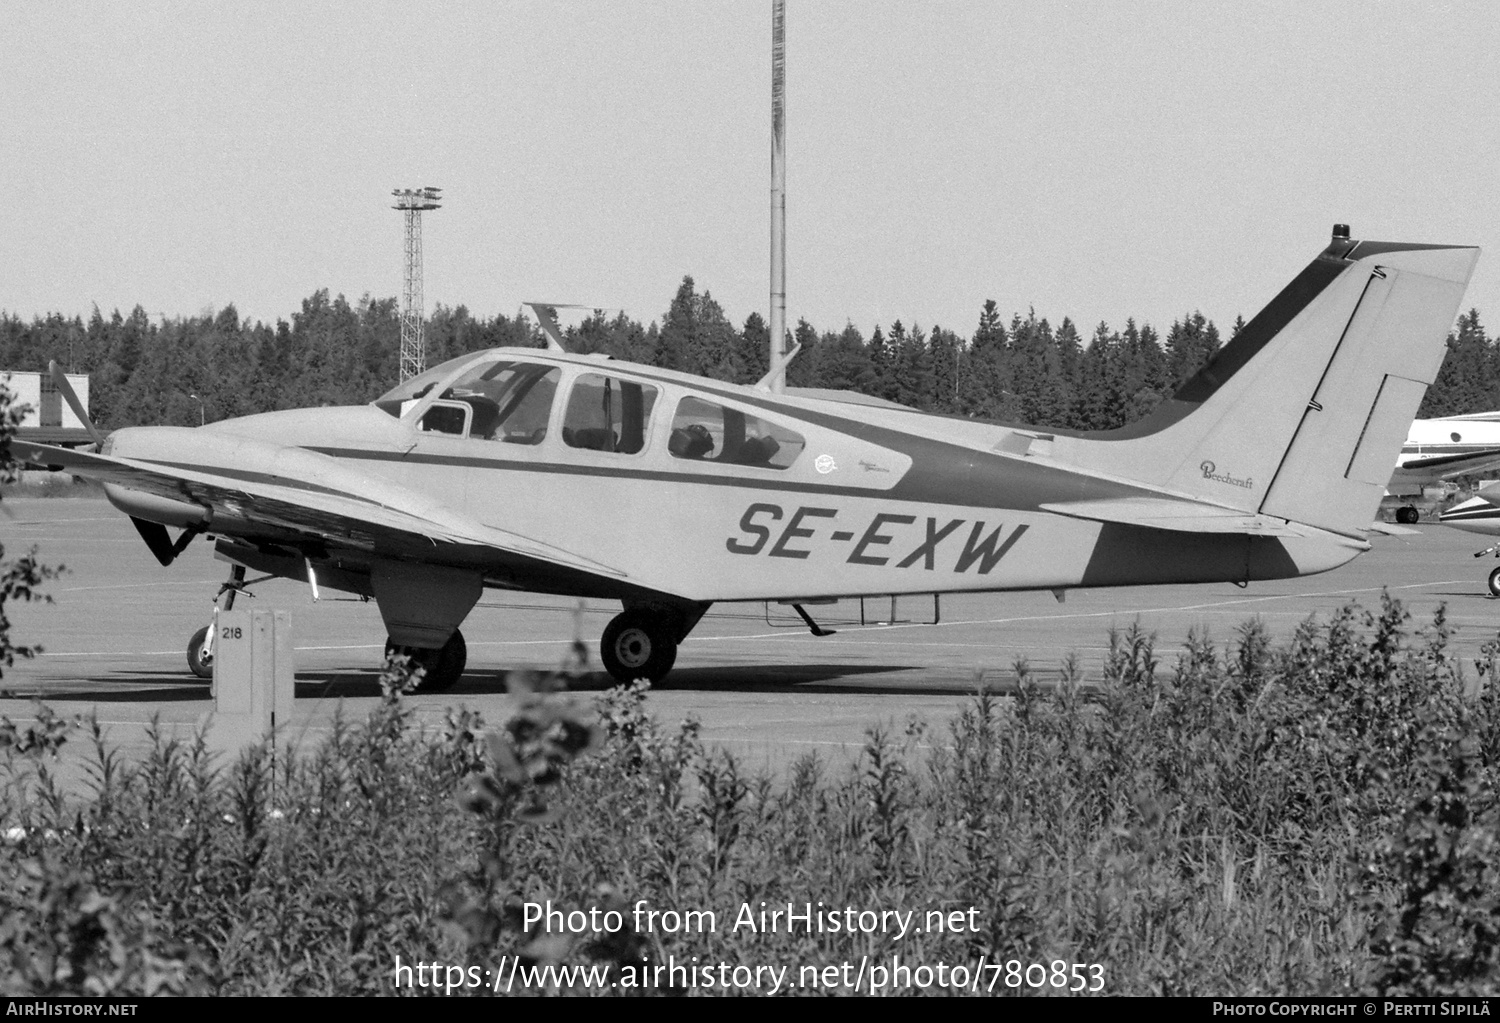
(761, 686)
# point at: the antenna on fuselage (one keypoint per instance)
(775, 378)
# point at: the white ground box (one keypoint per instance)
(254, 679)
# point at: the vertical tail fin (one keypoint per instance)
(1303, 414)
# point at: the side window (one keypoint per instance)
(446, 417)
(608, 414)
(708, 432)
(509, 401)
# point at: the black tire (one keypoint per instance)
(1407, 515)
(199, 663)
(638, 644)
(1493, 583)
(442, 667)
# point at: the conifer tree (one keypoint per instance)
(1466, 381)
(880, 366)
(911, 376)
(947, 353)
(753, 353)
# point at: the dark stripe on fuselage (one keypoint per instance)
(1472, 515)
(1449, 449)
(940, 473)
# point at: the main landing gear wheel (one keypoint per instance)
(638, 644)
(1493, 584)
(200, 662)
(443, 665)
(1407, 515)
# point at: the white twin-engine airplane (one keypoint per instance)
(1437, 450)
(1481, 513)
(539, 470)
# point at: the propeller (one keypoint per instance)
(66, 390)
(546, 317)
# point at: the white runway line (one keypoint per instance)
(28, 538)
(854, 633)
(53, 522)
(113, 653)
(129, 586)
(298, 649)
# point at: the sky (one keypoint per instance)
(1097, 160)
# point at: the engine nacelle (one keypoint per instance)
(152, 508)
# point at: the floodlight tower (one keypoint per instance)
(412, 201)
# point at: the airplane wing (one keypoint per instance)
(1421, 471)
(363, 512)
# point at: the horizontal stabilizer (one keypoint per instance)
(1182, 516)
(1391, 529)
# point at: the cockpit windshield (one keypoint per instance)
(395, 399)
(510, 401)
(493, 398)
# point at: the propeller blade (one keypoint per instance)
(546, 316)
(66, 389)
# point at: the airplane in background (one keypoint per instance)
(1437, 450)
(540, 470)
(1479, 514)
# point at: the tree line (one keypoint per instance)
(176, 371)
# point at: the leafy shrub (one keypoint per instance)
(1318, 818)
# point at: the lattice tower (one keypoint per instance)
(412, 201)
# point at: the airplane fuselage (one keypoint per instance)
(877, 501)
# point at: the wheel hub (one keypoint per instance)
(633, 648)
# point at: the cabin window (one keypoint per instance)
(508, 401)
(708, 432)
(608, 414)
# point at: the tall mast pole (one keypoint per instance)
(778, 195)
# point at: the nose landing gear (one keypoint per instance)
(200, 649)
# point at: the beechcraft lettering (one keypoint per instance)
(877, 543)
(1211, 472)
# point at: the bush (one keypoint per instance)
(1315, 819)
